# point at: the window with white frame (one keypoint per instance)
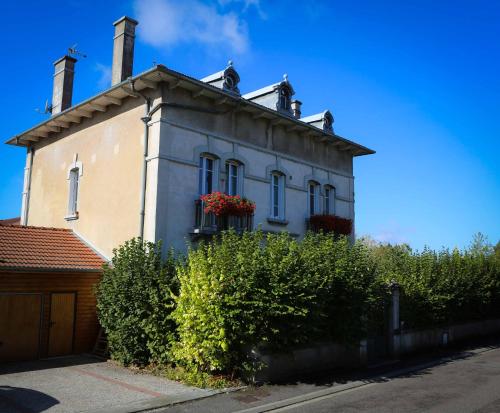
(234, 176)
(74, 176)
(206, 175)
(277, 195)
(313, 198)
(329, 200)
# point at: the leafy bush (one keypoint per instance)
(134, 302)
(444, 287)
(272, 290)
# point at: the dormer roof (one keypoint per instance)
(226, 79)
(277, 96)
(323, 121)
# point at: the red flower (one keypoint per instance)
(221, 204)
(331, 223)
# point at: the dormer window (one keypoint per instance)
(285, 100)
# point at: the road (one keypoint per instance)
(462, 382)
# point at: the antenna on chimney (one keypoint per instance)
(48, 108)
(73, 51)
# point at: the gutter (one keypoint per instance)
(27, 193)
(144, 174)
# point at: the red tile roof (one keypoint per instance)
(42, 248)
(10, 221)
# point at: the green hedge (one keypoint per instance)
(207, 310)
(251, 290)
(444, 287)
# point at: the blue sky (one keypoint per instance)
(417, 81)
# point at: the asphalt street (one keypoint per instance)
(467, 381)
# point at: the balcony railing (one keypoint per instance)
(206, 224)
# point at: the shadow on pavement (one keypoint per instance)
(20, 400)
(51, 363)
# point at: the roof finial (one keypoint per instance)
(285, 77)
(230, 63)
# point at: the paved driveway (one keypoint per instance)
(84, 384)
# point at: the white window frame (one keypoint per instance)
(313, 191)
(329, 200)
(231, 166)
(203, 172)
(277, 197)
(75, 172)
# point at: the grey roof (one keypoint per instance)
(149, 79)
(314, 118)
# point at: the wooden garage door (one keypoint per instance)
(19, 326)
(62, 319)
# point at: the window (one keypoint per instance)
(285, 98)
(329, 200)
(206, 175)
(74, 175)
(234, 175)
(277, 195)
(313, 198)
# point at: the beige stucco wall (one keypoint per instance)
(109, 146)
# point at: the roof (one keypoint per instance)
(316, 117)
(160, 73)
(39, 248)
(10, 221)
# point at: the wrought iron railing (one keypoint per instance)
(211, 224)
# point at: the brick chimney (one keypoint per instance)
(123, 49)
(62, 93)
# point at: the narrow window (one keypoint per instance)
(313, 198)
(206, 175)
(329, 200)
(277, 195)
(73, 191)
(233, 178)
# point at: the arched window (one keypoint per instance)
(234, 177)
(277, 195)
(207, 174)
(329, 200)
(313, 198)
(74, 176)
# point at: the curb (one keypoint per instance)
(364, 383)
(159, 402)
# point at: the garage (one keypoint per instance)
(47, 303)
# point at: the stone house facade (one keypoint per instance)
(134, 159)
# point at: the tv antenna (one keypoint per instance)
(47, 109)
(73, 51)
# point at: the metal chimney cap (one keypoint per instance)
(130, 19)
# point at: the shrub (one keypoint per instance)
(134, 302)
(254, 290)
(444, 287)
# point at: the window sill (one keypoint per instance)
(277, 221)
(71, 217)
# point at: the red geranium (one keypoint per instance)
(331, 223)
(221, 204)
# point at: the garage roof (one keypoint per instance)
(39, 248)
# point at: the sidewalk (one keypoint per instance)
(86, 384)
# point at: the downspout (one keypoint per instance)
(27, 192)
(144, 175)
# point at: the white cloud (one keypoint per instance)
(105, 75)
(246, 5)
(164, 23)
(393, 233)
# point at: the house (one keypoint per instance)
(47, 304)
(134, 159)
